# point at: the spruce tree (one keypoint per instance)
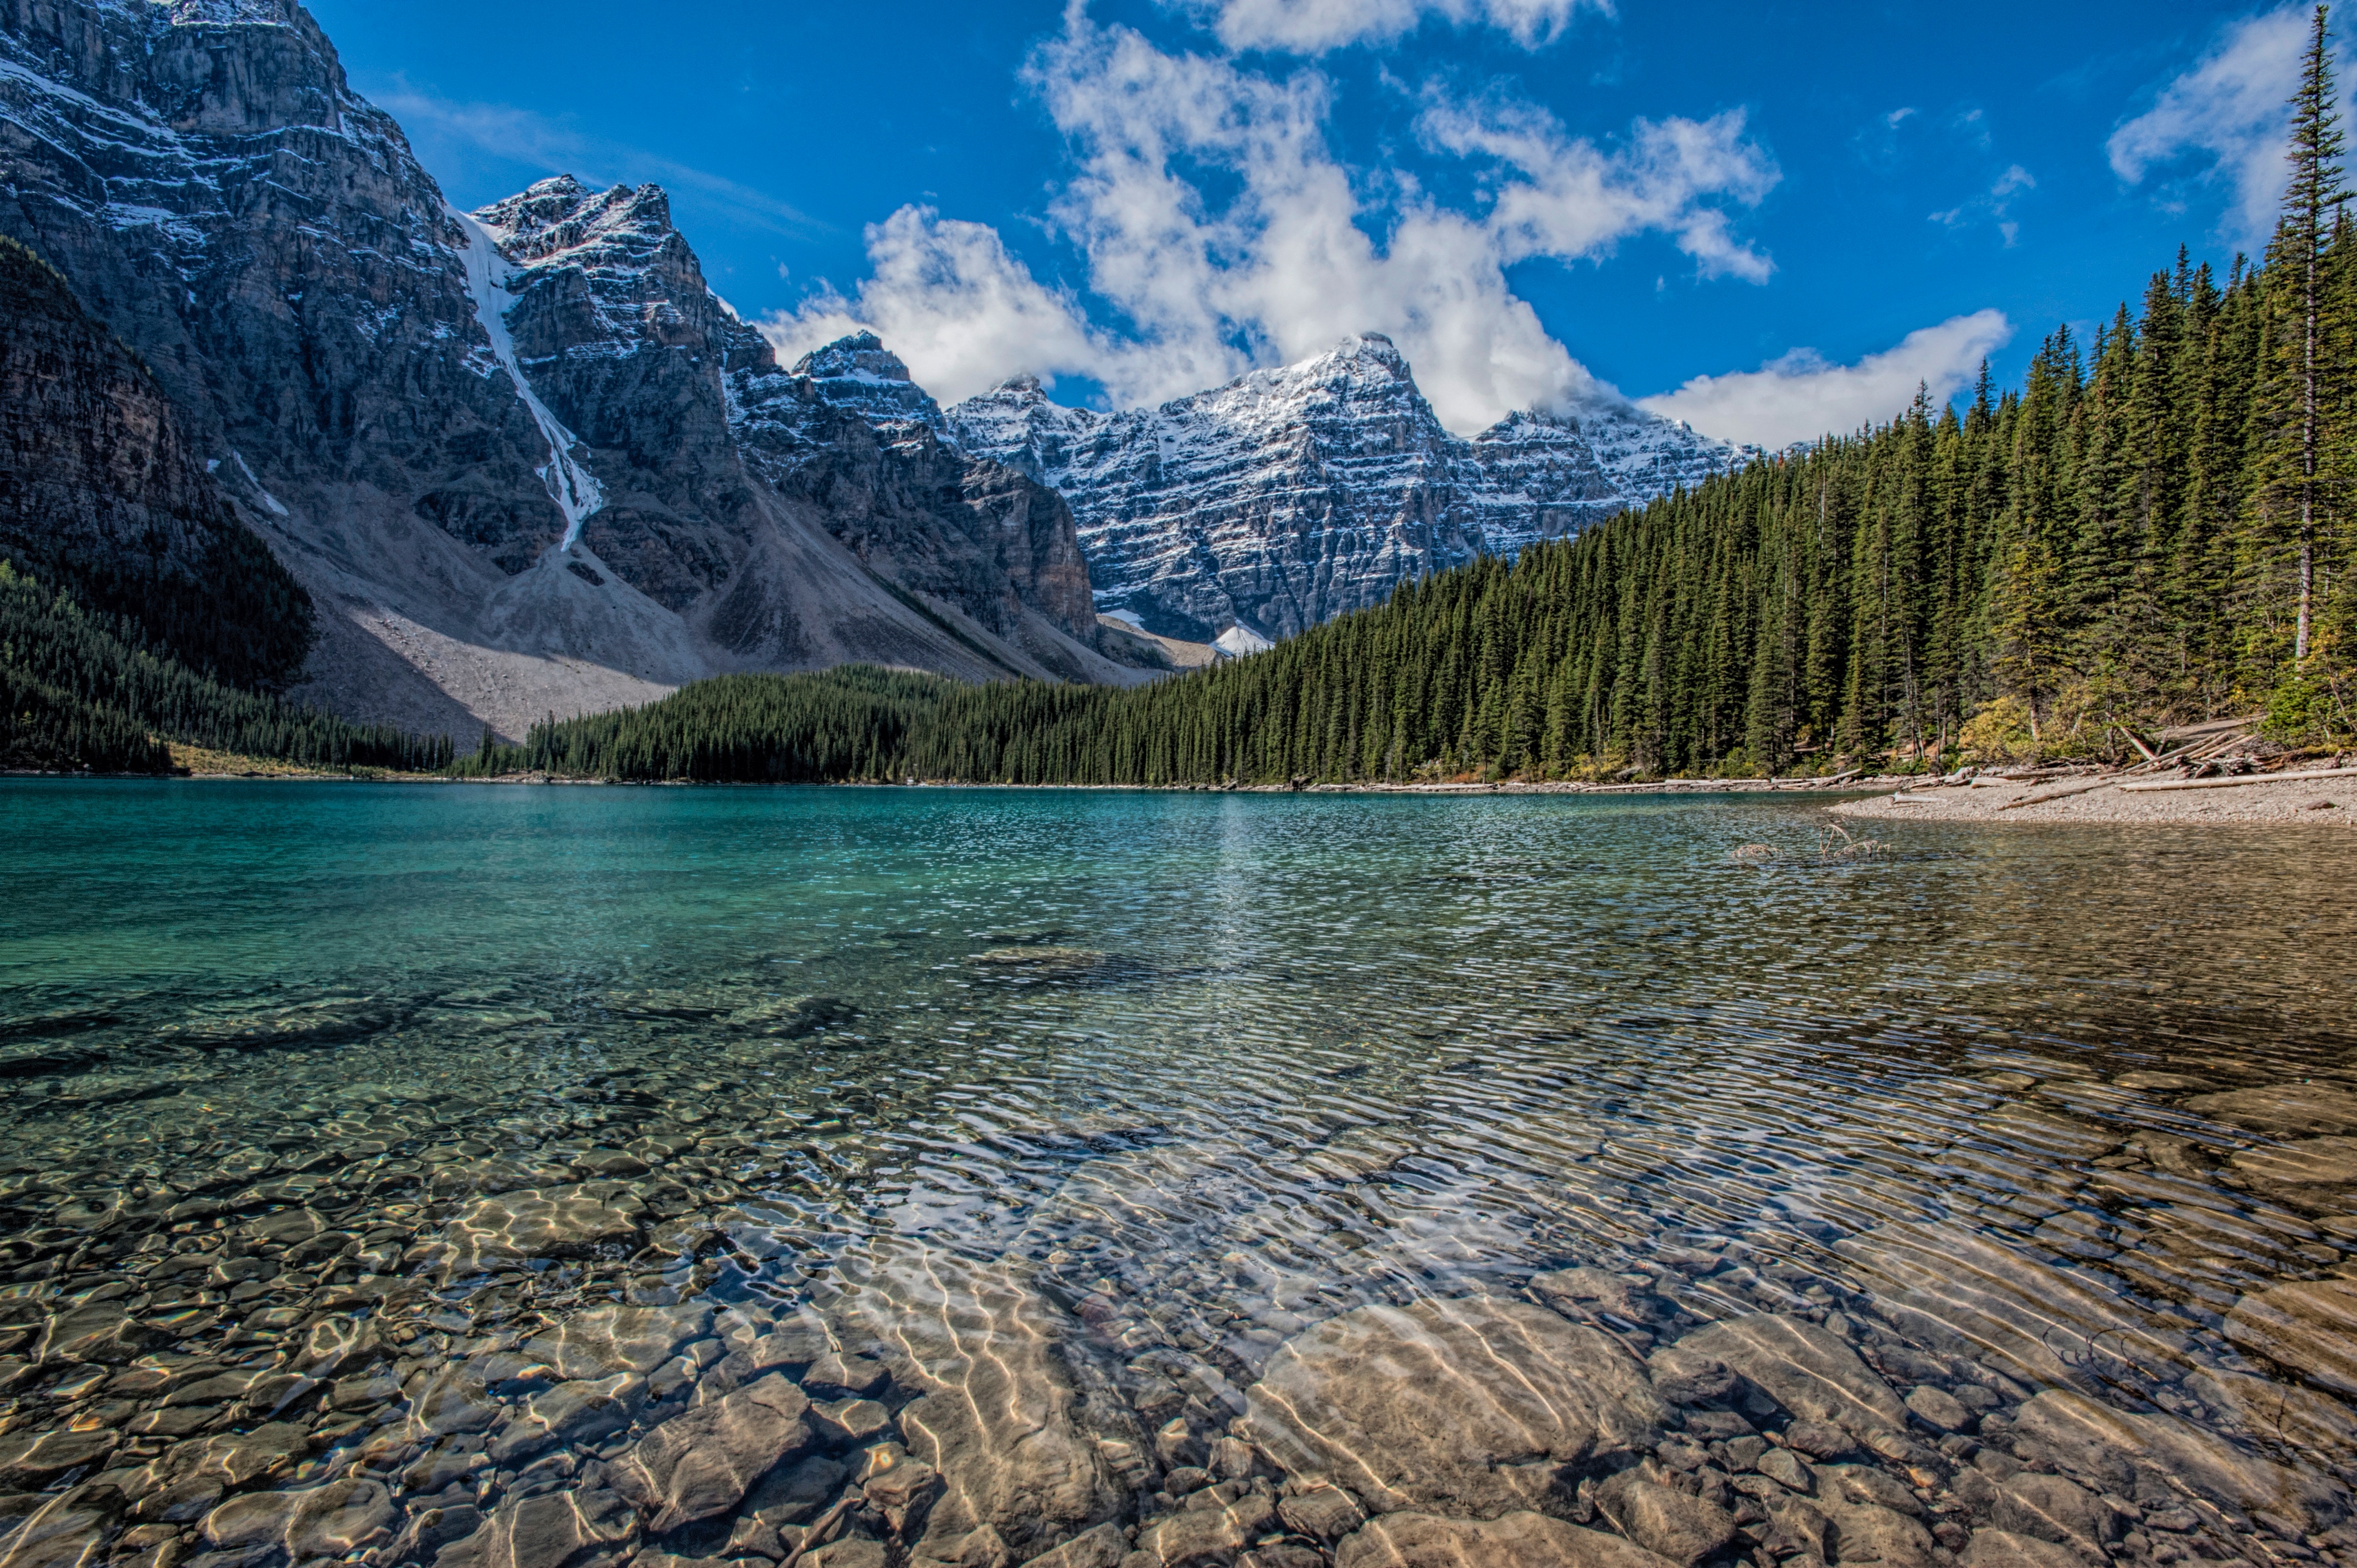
(2311, 208)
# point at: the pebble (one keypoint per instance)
(1937, 1408)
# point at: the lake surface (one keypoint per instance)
(517, 1177)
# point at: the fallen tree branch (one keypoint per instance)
(2344, 774)
(2042, 796)
(2187, 732)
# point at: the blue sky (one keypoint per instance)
(1813, 205)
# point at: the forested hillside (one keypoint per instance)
(82, 693)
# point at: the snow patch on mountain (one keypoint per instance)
(570, 483)
(1294, 494)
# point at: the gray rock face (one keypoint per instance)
(1292, 494)
(671, 395)
(415, 408)
(103, 494)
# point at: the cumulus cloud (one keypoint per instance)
(1315, 27)
(951, 301)
(1575, 200)
(1802, 396)
(1219, 228)
(2231, 113)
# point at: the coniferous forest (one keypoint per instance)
(2153, 529)
(85, 690)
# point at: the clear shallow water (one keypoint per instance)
(1075, 1110)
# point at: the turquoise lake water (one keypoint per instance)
(1160, 1080)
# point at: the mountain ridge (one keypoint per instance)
(1294, 493)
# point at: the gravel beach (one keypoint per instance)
(2330, 802)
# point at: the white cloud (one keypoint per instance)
(2231, 110)
(951, 302)
(1219, 228)
(1314, 27)
(1801, 396)
(1577, 200)
(1996, 204)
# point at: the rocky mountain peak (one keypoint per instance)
(600, 272)
(506, 453)
(858, 374)
(860, 354)
(564, 214)
(1259, 508)
(226, 13)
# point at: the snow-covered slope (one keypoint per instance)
(1292, 494)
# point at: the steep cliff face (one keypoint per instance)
(1262, 508)
(216, 193)
(102, 495)
(498, 449)
(699, 435)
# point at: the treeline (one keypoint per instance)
(83, 694)
(852, 723)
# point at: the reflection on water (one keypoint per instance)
(533, 1178)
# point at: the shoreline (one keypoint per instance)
(2304, 801)
(1884, 797)
(286, 773)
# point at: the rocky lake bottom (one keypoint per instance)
(543, 1178)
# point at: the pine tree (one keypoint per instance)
(2311, 208)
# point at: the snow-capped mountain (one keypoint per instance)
(1263, 507)
(523, 459)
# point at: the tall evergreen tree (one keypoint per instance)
(2311, 208)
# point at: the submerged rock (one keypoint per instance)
(2304, 1162)
(1205, 1537)
(576, 1413)
(332, 1520)
(1472, 1405)
(996, 1413)
(609, 1339)
(545, 1532)
(2108, 1444)
(578, 1219)
(1683, 1529)
(701, 1464)
(2288, 1110)
(2308, 1328)
(1967, 1296)
(1808, 1371)
(1520, 1540)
